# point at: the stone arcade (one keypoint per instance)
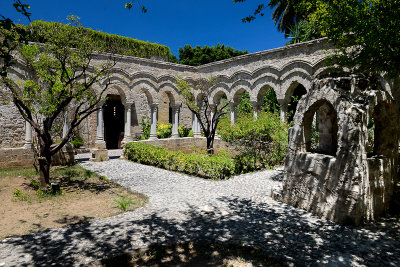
(144, 88)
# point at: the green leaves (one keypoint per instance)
(41, 32)
(214, 167)
(262, 142)
(370, 27)
(202, 55)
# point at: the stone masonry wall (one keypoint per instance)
(12, 126)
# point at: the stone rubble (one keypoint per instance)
(184, 208)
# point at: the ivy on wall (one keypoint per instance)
(104, 41)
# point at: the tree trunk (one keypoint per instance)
(44, 171)
(210, 145)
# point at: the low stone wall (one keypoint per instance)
(24, 157)
(185, 144)
(16, 157)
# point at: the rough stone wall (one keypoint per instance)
(12, 126)
(16, 157)
(349, 186)
(163, 109)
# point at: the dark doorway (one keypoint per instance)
(113, 121)
(298, 92)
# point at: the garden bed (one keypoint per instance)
(84, 196)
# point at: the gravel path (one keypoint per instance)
(184, 208)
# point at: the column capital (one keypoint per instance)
(153, 105)
(101, 102)
(127, 104)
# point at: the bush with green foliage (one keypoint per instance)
(184, 131)
(214, 167)
(261, 142)
(104, 41)
(164, 130)
(77, 141)
(202, 55)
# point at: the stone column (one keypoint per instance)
(127, 128)
(28, 135)
(153, 128)
(175, 122)
(255, 108)
(196, 126)
(100, 153)
(233, 112)
(100, 143)
(284, 105)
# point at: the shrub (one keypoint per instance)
(261, 142)
(146, 127)
(214, 167)
(164, 130)
(103, 41)
(184, 131)
(77, 142)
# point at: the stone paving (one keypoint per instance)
(183, 208)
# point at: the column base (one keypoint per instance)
(99, 155)
(153, 137)
(100, 145)
(28, 146)
(174, 136)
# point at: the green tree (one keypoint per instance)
(60, 78)
(195, 95)
(202, 55)
(368, 27)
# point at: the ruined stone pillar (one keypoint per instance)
(28, 135)
(175, 122)
(284, 105)
(255, 108)
(153, 128)
(233, 112)
(127, 128)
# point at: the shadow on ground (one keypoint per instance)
(289, 234)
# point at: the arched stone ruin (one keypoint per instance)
(340, 179)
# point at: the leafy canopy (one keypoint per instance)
(369, 27)
(195, 56)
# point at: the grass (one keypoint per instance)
(84, 196)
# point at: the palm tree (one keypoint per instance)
(284, 15)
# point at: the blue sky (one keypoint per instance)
(173, 23)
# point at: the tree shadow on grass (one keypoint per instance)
(288, 234)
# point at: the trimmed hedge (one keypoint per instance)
(213, 167)
(104, 41)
